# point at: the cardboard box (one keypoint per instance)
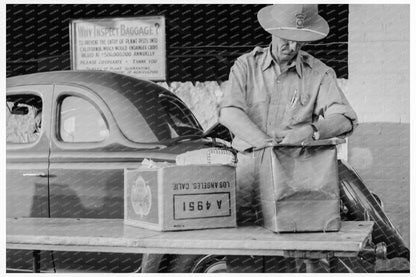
(180, 197)
(299, 189)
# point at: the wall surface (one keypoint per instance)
(379, 90)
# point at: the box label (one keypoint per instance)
(201, 205)
(141, 197)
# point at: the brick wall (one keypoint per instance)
(378, 89)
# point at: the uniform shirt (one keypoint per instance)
(276, 100)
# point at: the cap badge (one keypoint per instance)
(300, 19)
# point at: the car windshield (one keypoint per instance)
(151, 114)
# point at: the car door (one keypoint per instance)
(88, 173)
(28, 110)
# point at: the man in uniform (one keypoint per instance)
(280, 94)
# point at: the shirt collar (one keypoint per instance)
(299, 62)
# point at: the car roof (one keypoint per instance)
(95, 80)
(117, 90)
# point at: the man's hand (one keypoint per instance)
(241, 125)
(295, 136)
(267, 143)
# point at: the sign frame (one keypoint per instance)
(162, 76)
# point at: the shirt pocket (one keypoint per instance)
(300, 111)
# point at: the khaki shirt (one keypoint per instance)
(276, 100)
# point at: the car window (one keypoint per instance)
(177, 116)
(80, 121)
(24, 118)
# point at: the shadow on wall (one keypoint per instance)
(380, 152)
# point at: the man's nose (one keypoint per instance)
(293, 45)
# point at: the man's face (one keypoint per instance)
(285, 50)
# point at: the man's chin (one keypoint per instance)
(286, 58)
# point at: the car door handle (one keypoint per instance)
(37, 174)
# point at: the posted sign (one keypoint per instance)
(132, 46)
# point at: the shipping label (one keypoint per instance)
(201, 205)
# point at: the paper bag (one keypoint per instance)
(298, 188)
